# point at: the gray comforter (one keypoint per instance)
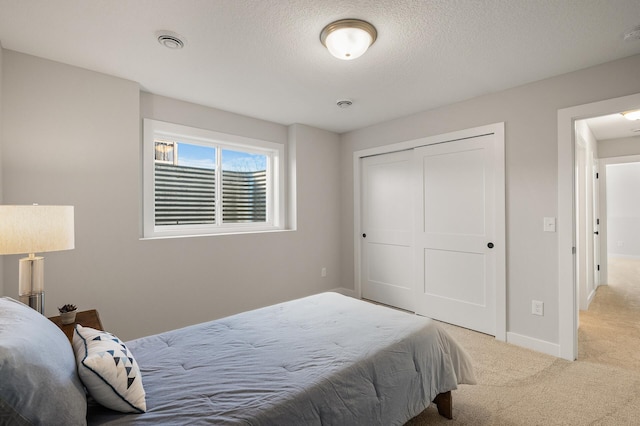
(321, 360)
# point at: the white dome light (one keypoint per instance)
(632, 115)
(348, 38)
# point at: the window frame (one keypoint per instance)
(154, 129)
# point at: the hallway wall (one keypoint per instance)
(623, 210)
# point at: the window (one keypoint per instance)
(199, 182)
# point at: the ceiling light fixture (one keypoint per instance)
(348, 38)
(170, 39)
(632, 115)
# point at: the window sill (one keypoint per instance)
(219, 234)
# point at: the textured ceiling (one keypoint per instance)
(263, 58)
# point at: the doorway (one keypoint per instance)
(587, 214)
(609, 332)
(568, 304)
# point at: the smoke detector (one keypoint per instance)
(344, 103)
(170, 39)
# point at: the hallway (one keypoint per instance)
(609, 331)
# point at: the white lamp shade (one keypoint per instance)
(35, 229)
(348, 43)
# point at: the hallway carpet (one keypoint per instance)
(609, 331)
(517, 386)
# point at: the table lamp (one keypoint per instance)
(34, 229)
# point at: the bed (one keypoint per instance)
(326, 359)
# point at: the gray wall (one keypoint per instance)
(531, 132)
(613, 151)
(1, 173)
(619, 147)
(623, 210)
(73, 137)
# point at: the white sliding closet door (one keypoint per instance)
(454, 246)
(387, 229)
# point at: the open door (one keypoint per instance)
(596, 225)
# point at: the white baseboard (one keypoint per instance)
(624, 256)
(345, 291)
(534, 344)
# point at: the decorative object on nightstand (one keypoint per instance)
(34, 229)
(88, 318)
(68, 314)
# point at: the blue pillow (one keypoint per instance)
(39, 383)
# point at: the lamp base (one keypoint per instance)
(35, 301)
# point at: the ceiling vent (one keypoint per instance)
(170, 40)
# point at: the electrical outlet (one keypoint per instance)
(323, 272)
(537, 307)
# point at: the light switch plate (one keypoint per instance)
(549, 224)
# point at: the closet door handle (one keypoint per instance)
(364, 235)
(490, 245)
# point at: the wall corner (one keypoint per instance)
(1, 163)
(292, 189)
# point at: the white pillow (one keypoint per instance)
(108, 370)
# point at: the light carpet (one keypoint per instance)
(517, 386)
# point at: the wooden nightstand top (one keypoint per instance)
(88, 318)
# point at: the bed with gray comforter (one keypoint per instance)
(326, 359)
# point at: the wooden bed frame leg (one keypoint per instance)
(445, 404)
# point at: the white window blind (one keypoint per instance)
(198, 182)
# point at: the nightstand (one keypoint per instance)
(85, 318)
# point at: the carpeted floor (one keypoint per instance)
(517, 386)
(610, 330)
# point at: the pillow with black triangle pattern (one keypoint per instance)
(108, 370)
